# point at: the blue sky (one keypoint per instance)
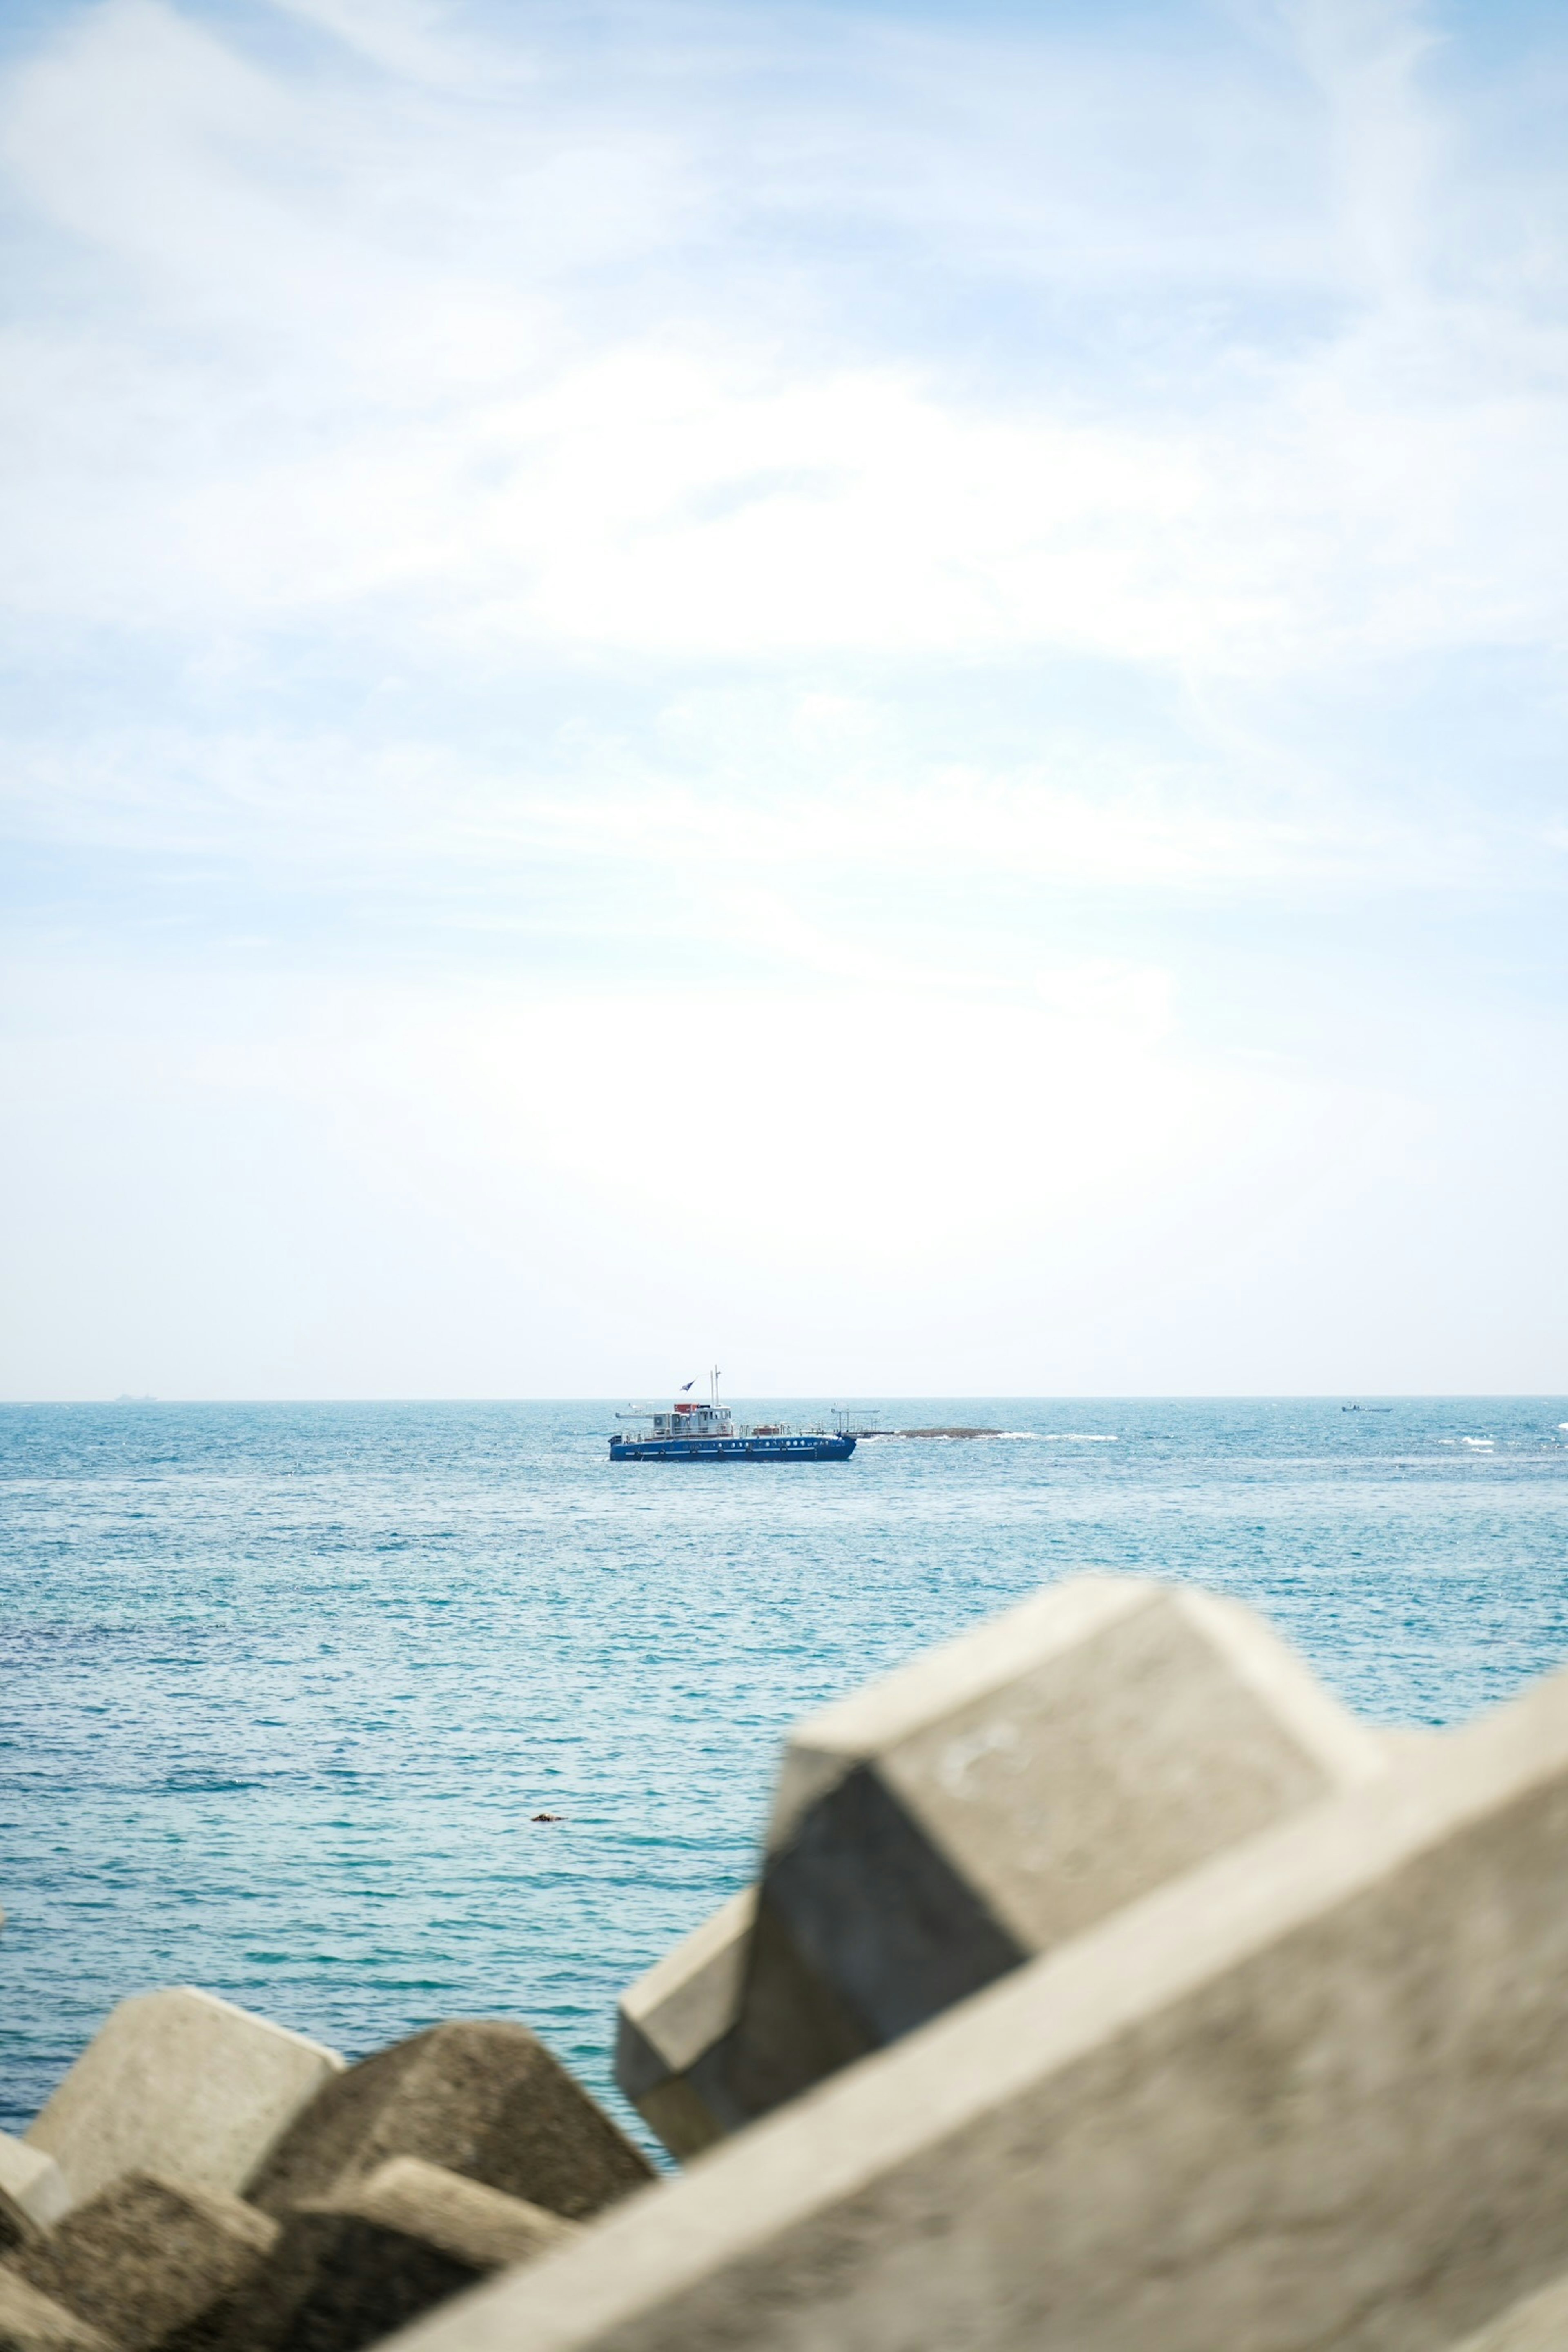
(877, 690)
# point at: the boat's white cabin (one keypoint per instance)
(694, 1421)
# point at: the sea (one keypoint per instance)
(364, 1716)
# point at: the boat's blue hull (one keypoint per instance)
(731, 1449)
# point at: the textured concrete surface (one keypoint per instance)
(1309, 2096)
(30, 2322)
(348, 2270)
(150, 2263)
(994, 1799)
(1537, 2323)
(182, 2084)
(32, 2181)
(16, 2227)
(481, 2097)
(672, 2032)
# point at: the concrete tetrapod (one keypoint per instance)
(480, 2097)
(150, 2263)
(31, 2322)
(969, 1814)
(1539, 2323)
(32, 2181)
(673, 2027)
(1308, 2095)
(17, 2227)
(182, 2085)
(349, 2268)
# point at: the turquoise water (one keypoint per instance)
(282, 1686)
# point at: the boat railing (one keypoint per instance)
(732, 1429)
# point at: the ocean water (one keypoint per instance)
(284, 1687)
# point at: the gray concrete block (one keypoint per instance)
(150, 2263)
(672, 2032)
(479, 2097)
(179, 2083)
(1538, 2323)
(1310, 2093)
(958, 1817)
(30, 2322)
(349, 2268)
(32, 2181)
(997, 1796)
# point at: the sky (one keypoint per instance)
(872, 691)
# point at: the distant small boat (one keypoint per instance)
(690, 1432)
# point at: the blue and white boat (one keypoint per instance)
(692, 1431)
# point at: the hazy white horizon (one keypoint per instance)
(875, 691)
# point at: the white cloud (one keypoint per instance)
(416, 39)
(326, 412)
(719, 524)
